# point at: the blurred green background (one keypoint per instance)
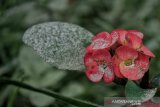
(21, 63)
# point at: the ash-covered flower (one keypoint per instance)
(132, 39)
(129, 63)
(130, 58)
(103, 40)
(98, 65)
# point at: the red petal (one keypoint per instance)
(102, 35)
(108, 75)
(101, 40)
(94, 74)
(146, 51)
(115, 63)
(133, 41)
(100, 55)
(137, 33)
(122, 35)
(89, 49)
(124, 53)
(143, 62)
(150, 103)
(88, 59)
(131, 72)
(115, 37)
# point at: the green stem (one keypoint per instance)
(72, 101)
(12, 97)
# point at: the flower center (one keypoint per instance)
(102, 63)
(125, 42)
(128, 62)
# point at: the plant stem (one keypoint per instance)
(72, 101)
(145, 81)
(120, 81)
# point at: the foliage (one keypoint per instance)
(132, 91)
(94, 15)
(60, 44)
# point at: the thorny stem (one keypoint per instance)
(73, 101)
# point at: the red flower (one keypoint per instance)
(133, 39)
(103, 40)
(128, 63)
(130, 57)
(98, 65)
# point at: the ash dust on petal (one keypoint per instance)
(101, 69)
(108, 75)
(143, 66)
(109, 72)
(114, 37)
(95, 77)
(140, 73)
(100, 44)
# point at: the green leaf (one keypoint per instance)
(61, 44)
(40, 74)
(4, 94)
(41, 100)
(73, 101)
(155, 82)
(38, 99)
(52, 78)
(132, 91)
(73, 89)
(58, 5)
(36, 71)
(31, 63)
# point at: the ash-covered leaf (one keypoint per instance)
(132, 91)
(61, 44)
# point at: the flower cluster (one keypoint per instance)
(120, 54)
